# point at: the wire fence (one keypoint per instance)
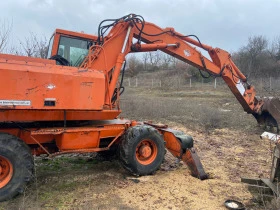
(262, 85)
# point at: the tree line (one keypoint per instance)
(258, 58)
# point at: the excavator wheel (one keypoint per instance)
(141, 150)
(16, 166)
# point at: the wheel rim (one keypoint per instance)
(6, 171)
(146, 152)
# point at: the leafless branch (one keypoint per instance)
(5, 32)
(34, 46)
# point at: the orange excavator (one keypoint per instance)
(69, 103)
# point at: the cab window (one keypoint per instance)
(74, 50)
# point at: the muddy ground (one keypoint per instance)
(226, 138)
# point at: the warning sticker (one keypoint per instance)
(15, 103)
(240, 87)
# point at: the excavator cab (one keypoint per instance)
(69, 48)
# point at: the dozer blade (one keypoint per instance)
(192, 160)
(181, 146)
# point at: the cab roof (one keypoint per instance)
(75, 34)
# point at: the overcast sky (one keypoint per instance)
(220, 23)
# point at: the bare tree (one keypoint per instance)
(5, 32)
(42, 47)
(182, 66)
(34, 46)
(145, 58)
(154, 58)
(253, 59)
(174, 62)
(166, 60)
(256, 45)
(29, 45)
(274, 61)
(275, 48)
(133, 65)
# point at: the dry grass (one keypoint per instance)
(199, 109)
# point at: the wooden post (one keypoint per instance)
(270, 85)
(215, 83)
(136, 82)
(128, 82)
(190, 82)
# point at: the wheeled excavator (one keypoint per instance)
(70, 102)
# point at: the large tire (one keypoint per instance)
(16, 166)
(141, 150)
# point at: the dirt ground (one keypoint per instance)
(226, 138)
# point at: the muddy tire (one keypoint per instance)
(16, 166)
(141, 150)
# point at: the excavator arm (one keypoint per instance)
(220, 66)
(151, 37)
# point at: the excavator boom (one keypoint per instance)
(151, 38)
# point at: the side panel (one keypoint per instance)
(55, 115)
(71, 138)
(78, 140)
(26, 137)
(50, 87)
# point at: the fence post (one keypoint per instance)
(136, 82)
(128, 82)
(190, 82)
(270, 85)
(215, 84)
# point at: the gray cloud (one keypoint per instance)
(223, 23)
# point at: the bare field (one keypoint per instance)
(226, 138)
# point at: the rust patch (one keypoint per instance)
(30, 89)
(7, 107)
(84, 70)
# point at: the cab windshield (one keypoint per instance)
(74, 50)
